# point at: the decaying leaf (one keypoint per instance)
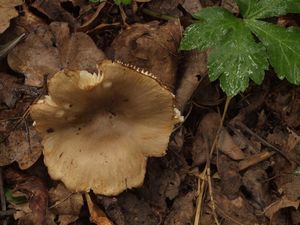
(52, 48)
(206, 133)
(255, 182)
(22, 146)
(227, 145)
(97, 216)
(65, 204)
(284, 202)
(230, 178)
(54, 10)
(291, 189)
(8, 90)
(237, 209)
(182, 210)
(63, 201)
(7, 12)
(152, 47)
(195, 65)
(36, 191)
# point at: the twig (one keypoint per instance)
(8, 212)
(267, 144)
(61, 201)
(2, 196)
(206, 172)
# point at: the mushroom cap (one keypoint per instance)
(98, 130)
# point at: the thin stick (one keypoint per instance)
(2, 197)
(264, 142)
(206, 172)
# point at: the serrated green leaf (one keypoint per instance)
(238, 59)
(258, 9)
(217, 22)
(283, 47)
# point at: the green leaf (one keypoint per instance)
(217, 22)
(258, 9)
(238, 59)
(123, 2)
(283, 47)
(12, 199)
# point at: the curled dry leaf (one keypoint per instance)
(194, 66)
(284, 202)
(36, 191)
(97, 216)
(152, 47)
(7, 12)
(52, 48)
(21, 146)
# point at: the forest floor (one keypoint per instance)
(252, 178)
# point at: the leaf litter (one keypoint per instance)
(251, 182)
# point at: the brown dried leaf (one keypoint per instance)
(168, 7)
(182, 210)
(291, 189)
(64, 202)
(195, 65)
(66, 219)
(36, 190)
(230, 178)
(237, 209)
(7, 12)
(54, 10)
(21, 149)
(192, 6)
(152, 47)
(97, 215)
(254, 180)
(284, 202)
(52, 48)
(227, 145)
(8, 90)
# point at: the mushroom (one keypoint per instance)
(99, 129)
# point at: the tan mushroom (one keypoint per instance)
(98, 130)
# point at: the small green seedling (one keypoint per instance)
(241, 49)
(13, 199)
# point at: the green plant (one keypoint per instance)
(122, 2)
(241, 49)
